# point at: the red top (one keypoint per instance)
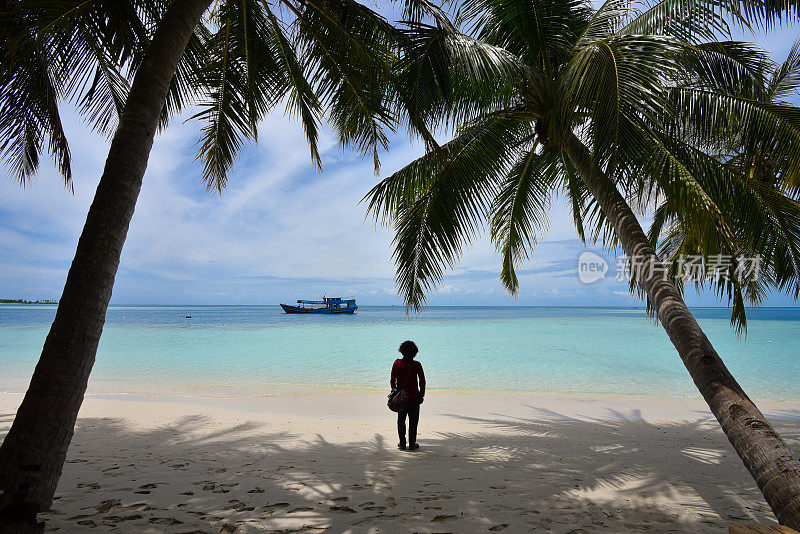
(409, 371)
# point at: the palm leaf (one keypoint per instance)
(438, 202)
(243, 79)
(519, 212)
(785, 81)
(443, 75)
(302, 101)
(349, 49)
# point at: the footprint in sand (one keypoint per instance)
(498, 528)
(256, 490)
(87, 523)
(443, 518)
(148, 486)
(139, 507)
(433, 498)
(342, 509)
(119, 519)
(239, 506)
(52, 511)
(275, 506)
(340, 499)
(300, 509)
(105, 506)
(375, 508)
(378, 519)
(165, 521)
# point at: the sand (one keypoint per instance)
(325, 460)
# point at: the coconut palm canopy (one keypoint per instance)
(129, 66)
(321, 60)
(758, 209)
(667, 105)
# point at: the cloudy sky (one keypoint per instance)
(280, 231)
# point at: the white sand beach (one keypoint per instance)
(325, 460)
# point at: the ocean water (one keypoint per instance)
(241, 351)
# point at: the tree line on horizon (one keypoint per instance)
(623, 108)
(23, 301)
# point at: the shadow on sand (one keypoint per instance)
(548, 472)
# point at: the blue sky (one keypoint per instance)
(280, 231)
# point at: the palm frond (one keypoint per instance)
(540, 32)
(740, 124)
(183, 87)
(785, 81)
(242, 79)
(446, 78)
(438, 202)
(53, 50)
(98, 43)
(349, 49)
(728, 67)
(302, 101)
(617, 81)
(29, 92)
(519, 212)
(605, 22)
(688, 21)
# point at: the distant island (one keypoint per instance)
(23, 301)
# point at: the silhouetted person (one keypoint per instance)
(404, 375)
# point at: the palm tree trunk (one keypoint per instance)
(33, 453)
(772, 464)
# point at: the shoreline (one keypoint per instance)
(302, 390)
(307, 390)
(326, 462)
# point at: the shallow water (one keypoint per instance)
(247, 350)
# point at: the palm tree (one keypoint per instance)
(612, 107)
(236, 60)
(757, 207)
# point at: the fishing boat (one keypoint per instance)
(326, 305)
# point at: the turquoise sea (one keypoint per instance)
(240, 351)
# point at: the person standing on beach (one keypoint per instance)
(405, 373)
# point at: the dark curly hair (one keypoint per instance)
(408, 349)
